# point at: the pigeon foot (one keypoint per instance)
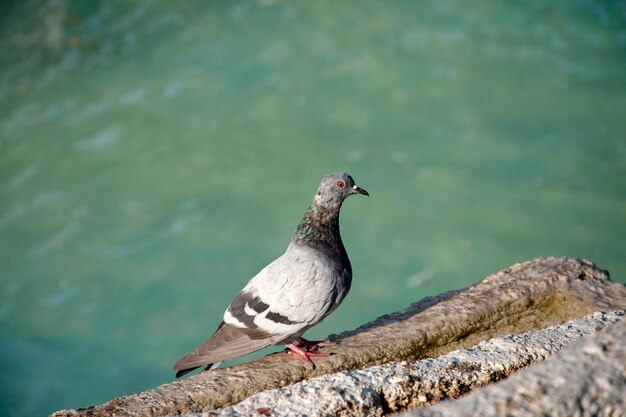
(313, 345)
(305, 353)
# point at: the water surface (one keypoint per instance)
(154, 157)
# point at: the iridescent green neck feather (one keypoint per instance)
(319, 228)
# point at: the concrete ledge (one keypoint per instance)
(524, 297)
(384, 389)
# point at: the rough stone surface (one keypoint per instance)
(526, 296)
(587, 379)
(384, 389)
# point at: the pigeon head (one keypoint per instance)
(319, 228)
(335, 188)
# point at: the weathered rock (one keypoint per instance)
(527, 296)
(587, 379)
(393, 387)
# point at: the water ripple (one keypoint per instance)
(58, 298)
(100, 140)
(22, 177)
(55, 241)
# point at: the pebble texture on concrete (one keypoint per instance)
(524, 297)
(587, 379)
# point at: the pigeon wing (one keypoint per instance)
(290, 295)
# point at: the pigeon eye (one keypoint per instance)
(341, 184)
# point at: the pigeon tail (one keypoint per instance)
(209, 367)
(227, 342)
(185, 371)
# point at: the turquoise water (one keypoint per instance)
(153, 158)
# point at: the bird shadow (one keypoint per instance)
(398, 316)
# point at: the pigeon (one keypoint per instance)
(290, 295)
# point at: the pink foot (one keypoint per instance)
(313, 345)
(307, 353)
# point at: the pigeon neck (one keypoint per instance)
(319, 228)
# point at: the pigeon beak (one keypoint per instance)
(360, 190)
